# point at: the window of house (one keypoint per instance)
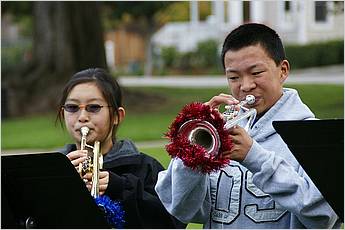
(323, 14)
(288, 12)
(246, 11)
(287, 6)
(320, 11)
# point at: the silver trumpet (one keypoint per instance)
(93, 163)
(231, 113)
(205, 134)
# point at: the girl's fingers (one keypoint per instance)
(77, 154)
(76, 162)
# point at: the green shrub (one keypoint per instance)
(205, 59)
(206, 54)
(169, 56)
(315, 54)
(184, 60)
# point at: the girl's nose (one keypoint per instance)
(83, 115)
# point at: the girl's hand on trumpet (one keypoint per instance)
(77, 157)
(103, 181)
(242, 143)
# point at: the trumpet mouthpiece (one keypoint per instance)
(250, 99)
(84, 130)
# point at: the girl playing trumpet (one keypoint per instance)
(93, 99)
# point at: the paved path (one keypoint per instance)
(325, 75)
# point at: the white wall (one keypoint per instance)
(296, 27)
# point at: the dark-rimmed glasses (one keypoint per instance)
(91, 108)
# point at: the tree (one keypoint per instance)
(141, 17)
(67, 37)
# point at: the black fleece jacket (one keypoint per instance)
(132, 178)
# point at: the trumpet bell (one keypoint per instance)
(202, 133)
(199, 134)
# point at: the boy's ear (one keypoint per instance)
(121, 115)
(285, 70)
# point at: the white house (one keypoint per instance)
(297, 21)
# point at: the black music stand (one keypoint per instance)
(318, 145)
(44, 190)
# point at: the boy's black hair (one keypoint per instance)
(253, 34)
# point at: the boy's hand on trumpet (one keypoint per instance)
(222, 98)
(77, 157)
(242, 143)
(103, 181)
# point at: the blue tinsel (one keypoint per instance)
(113, 211)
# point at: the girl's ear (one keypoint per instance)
(62, 114)
(285, 70)
(121, 115)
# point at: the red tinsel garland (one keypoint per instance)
(192, 155)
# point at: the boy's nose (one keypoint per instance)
(247, 84)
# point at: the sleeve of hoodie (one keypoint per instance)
(291, 188)
(143, 209)
(184, 192)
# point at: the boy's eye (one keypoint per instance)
(232, 78)
(257, 72)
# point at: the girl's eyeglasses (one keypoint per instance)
(91, 108)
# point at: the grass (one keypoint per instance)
(326, 101)
(149, 120)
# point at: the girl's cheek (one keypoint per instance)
(69, 124)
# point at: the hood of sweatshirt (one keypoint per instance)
(122, 148)
(288, 107)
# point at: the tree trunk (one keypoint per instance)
(148, 57)
(151, 28)
(68, 37)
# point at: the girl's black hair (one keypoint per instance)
(252, 34)
(107, 84)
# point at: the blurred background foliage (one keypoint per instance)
(146, 18)
(57, 39)
(316, 54)
(179, 12)
(205, 59)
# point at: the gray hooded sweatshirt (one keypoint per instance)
(268, 189)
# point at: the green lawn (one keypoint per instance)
(149, 119)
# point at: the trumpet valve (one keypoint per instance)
(87, 166)
(230, 112)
